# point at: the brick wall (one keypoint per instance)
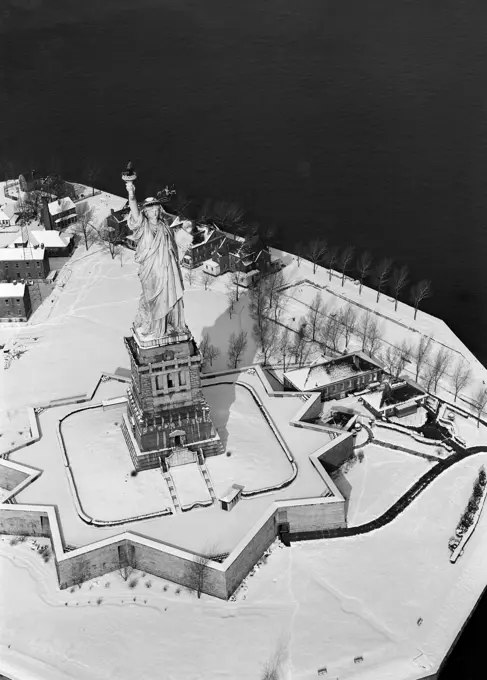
(19, 521)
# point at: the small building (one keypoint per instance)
(395, 398)
(28, 181)
(232, 497)
(17, 264)
(117, 220)
(335, 378)
(54, 243)
(15, 304)
(207, 240)
(243, 255)
(5, 219)
(59, 213)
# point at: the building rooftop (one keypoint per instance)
(18, 254)
(61, 205)
(9, 290)
(331, 371)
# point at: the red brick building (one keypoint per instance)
(17, 264)
(15, 302)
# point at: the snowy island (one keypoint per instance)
(289, 462)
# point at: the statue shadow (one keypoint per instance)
(222, 395)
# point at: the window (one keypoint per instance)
(7, 302)
(38, 265)
(17, 265)
(17, 301)
(170, 380)
(159, 382)
(182, 378)
(349, 383)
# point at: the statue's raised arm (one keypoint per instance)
(129, 176)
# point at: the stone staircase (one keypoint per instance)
(209, 483)
(172, 490)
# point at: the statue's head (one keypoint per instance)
(152, 209)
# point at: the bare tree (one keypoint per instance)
(480, 401)
(228, 215)
(364, 265)
(272, 668)
(335, 330)
(237, 345)
(315, 316)
(461, 376)
(274, 284)
(348, 318)
(316, 250)
(83, 225)
(198, 569)
(395, 358)
(207, 350)
(345, 261)
(419, 292)
(300, 250)
(207, 280)
(92, 172)
(399, 280)
(108, 238)
(333, 254)
(437, 368)
(236, 280)
(28, 207)
(284, 345)
(300, 348)
(266, 335)
(232, 297)
(370, 333)
(190, 276)
(213, 353)
(382, 273)
(421, 353)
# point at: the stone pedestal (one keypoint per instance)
(166, 408)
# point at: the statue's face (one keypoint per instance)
(152, 213)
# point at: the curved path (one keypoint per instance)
(398, 507)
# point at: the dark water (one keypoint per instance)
(364, 122)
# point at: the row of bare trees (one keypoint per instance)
(384, 273)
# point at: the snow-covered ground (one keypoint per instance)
(257, 459)
(14, 428)
(327, 602)
(375, 484)
(384, 434)
(396, 326)
(101, 466)
(189, 483)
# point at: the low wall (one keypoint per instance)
(85, 563)
(249, 551)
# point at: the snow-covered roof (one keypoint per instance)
(61, 205)
(18, 254)
(9, 290)
(330, 371)
(4, 216)
(50, 238)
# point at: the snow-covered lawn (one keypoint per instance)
(376, 483)
(257, 459)
(416, 419)
(467, 429)
(329, 601)
(80, 329)
(101, 466)
(14, 428)
(189, 483)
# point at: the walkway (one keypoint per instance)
(398, 507)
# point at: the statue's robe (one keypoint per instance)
(159, 251)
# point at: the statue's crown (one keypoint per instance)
(151, 201)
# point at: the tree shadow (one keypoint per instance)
(220, 397)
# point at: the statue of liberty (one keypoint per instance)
(161, 243)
